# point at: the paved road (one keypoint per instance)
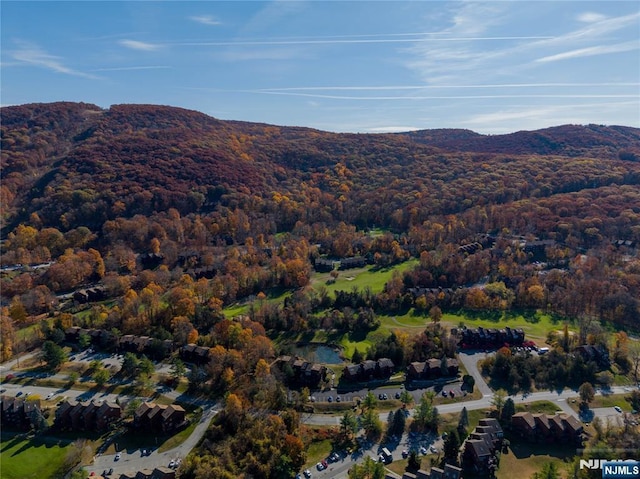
(559, 398)
(60, 394)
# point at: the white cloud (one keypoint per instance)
(590, 17)
(463, 87)
(337, 41)
(435, 97)
(392, 129)
(283, 53)
(137, 45)
(120, 69)
(529, 117)
(591, 51)
(205, 20)
(32, 54)
(441, 63)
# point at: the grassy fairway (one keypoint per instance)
(536, 325)
(32, 458)
(360, 278)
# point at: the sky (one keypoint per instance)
(361, 66)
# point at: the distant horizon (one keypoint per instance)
(492, 67)
(329, 131)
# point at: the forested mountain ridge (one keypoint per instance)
(165, 223)
(74, 164)
(567, 140)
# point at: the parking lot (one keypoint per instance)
(382, 393)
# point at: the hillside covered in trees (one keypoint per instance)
(157, 221)
(251, 207)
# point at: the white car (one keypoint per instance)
(617, 408)
(49, 396)
(118, 456)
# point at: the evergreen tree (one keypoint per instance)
(463, 423)
(398, 423)
(129, 364)
(357, 357)
(508, 410)
(414, 462)
(549, 471)
(451, 448)
(52, 354)
(368, 469)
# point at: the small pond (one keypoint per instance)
(318, 353)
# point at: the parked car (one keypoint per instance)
(423, 450)
(118, 456)
(320, 467)
(338, 399)
(49, 396)
(334, 457)
(617, 408)
(330, 399)
(398, 395)
(307, 473)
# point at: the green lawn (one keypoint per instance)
(28, 333)
(32, 458)
(523, 459)
(450, 420)
(610, 400)
(317, 450)
(538, 407)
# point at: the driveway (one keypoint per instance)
(470, 361)
(131, 463)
